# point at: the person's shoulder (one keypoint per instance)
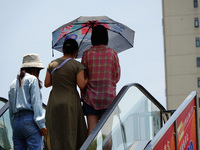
(75, 61)
(88, 50)
(84, 53)
(78, 63)
(55, 62)
(111, 50)
(13, 84)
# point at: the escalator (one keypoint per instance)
(137, 121)
(133, 121)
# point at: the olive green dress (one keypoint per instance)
(64, 116)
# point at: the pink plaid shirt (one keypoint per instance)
(103, 69)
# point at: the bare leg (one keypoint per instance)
(92, 121)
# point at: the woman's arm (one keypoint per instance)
(36, 103)
(81, 80)
(117, 68)
(47, 81)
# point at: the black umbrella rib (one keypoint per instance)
(76, 30)
(84, 36)
(91, 26)
(121, 35)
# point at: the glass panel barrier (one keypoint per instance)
(1, 104)
(6, 142)
(134, 118)
(5, 132)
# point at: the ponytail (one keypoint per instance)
(21, 76)
(33, 71)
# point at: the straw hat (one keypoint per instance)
(32, 60)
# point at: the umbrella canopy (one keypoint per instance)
(120, 37)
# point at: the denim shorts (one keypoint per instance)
(26, 134)
(89, 110)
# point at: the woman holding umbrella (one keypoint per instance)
(102, 65)
(64, 116)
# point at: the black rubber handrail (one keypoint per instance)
(111, 108)
(3, 100)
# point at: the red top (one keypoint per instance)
(103, 68)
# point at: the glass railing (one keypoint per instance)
(131, 121)
(6, 142)
(5, 127)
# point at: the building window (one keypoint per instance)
(196, 22)
(195, 3)
(199, 102)
(198, 82)
(197, 42)
(199, 122)
(198, 61)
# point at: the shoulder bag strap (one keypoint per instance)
(60, 65)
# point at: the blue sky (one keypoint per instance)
(26, 27)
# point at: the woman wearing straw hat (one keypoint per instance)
(25, 106)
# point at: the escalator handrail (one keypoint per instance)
(3, 109)
(111, 108)
(3, 100)
(147, 94)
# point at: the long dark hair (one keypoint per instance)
(33, 71)
(70, 46)
(99, 35)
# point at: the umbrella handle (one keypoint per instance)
(52, 52)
